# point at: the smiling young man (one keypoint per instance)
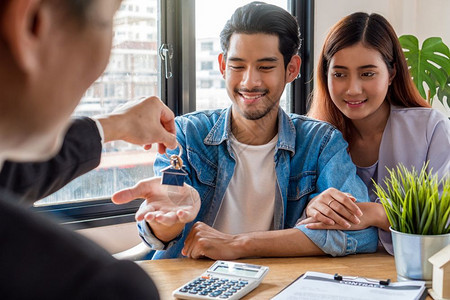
(254, 167)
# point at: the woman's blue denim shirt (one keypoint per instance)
(310, 156)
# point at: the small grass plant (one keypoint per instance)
(414, 202)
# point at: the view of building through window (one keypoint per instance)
(132, 73)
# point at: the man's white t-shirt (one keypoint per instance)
(249, 201)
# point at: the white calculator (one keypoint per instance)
(223, 280)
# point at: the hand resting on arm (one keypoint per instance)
(336, 210)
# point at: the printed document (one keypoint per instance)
(314, 285)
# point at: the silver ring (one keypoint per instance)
(329, 203)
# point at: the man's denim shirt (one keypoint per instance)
(310, 156)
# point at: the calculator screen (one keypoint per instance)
(237, 271)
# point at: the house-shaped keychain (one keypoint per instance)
(174, 174)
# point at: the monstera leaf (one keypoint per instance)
(431, 65)
(444, 92)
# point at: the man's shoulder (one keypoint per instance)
(202, 117)
(308, 131)
(307, 123)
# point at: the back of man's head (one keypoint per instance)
(259, 17)
(70, 10)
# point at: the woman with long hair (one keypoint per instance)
(364, 89)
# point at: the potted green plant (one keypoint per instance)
(417, 205)
(429, 65)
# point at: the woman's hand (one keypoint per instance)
(373, 214)
(333, 207)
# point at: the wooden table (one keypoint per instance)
(170, 274)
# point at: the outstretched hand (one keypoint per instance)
(141, 122)
(166, 208)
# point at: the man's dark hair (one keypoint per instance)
(260, 17)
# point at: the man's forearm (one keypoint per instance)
(79, 154)
(278, 243)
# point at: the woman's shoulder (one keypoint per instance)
(419, 115)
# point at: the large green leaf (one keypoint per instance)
(444, 92)
(431, 65)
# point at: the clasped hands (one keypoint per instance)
(333, 209)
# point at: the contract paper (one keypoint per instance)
(314, 285)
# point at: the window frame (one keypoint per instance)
(177, 28)
(303, 87)
(89, 214)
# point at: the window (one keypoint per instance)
(207, 46)
(206, 84)
(132, 73)
(206, 65)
